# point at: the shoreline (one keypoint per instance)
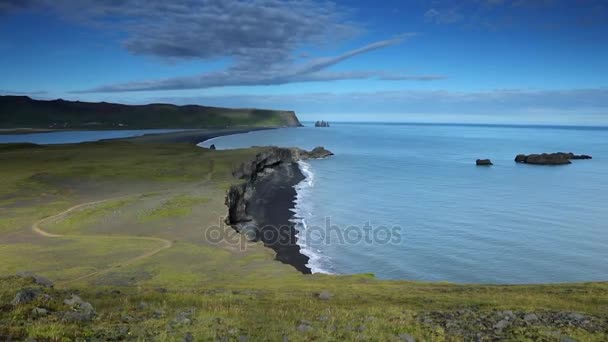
(262, 207)
(193, 137)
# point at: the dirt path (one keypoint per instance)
(36, 227)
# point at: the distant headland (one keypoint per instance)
(20, 112)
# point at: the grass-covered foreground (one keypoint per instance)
(125, 225)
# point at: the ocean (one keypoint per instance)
(406, 201)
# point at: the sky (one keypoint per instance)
(472, 61)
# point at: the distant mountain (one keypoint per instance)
(22, 111)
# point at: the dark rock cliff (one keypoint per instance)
(260, 207)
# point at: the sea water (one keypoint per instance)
(70, 137)
(432, 215)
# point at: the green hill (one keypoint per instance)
(24, 112)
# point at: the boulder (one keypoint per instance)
(38, 280)
(212, 147)
(321, 124)
(25, 296)
(483, 162)
(81, 311)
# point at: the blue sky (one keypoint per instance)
(486, 61)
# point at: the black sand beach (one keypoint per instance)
(270, 206)
(193, 136)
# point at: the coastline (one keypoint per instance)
(272, 197)
(262, 208)
(271, 207)
(193, 137)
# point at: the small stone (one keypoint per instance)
(325, 295)
(530, 317)
(406, 337)
(126, 318)
(501, 324)
(142, 305)
(188, 337)
(39, 312)
(243, 338)
(576, 316)
(361, 328)
(567, 339)
(304, 328)
(25, 296)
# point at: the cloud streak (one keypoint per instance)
(311, 71)
(262, 39)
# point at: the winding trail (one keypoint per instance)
(36, 227)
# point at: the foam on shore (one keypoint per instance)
(303, 193)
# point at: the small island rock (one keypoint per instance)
(483, 162)
(559, 158)
(321, 124)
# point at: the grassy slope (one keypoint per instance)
(18, 112)
(176, 192)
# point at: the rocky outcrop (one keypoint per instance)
(483, 162)
(262, 165)
(559, 158)
(260, 207)
(212, 147)
(321, 124)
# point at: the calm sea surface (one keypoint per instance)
(446, 219)
(68, 137)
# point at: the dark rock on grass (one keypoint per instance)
(483, 162)
(407, 337)
(38, 280)
(39, 312)
(324, 295)
(184, 317)
(212, 147)
(304, 327)
(81, 311)
(188, 337)
(530, 318)
(25, 296)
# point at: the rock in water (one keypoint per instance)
(212, 147)
(483, 162)
(559, 158)
(321, 124)
(520, 158)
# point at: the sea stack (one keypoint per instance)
(321, 124)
